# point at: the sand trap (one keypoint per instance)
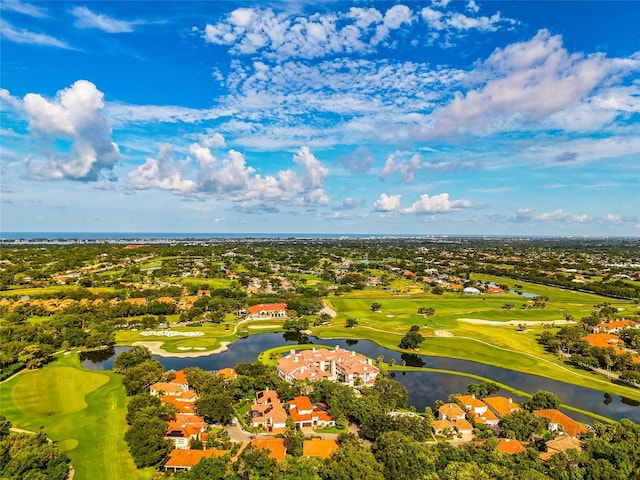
(155, 349)
(184, 348)
(390, 316)
(443, 333)
(478, 321)
(262, 327)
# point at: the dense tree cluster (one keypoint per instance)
(30, 456)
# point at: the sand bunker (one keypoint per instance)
(156, 349)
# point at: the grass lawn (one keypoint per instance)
(82, 411)
(50, 290)
(501, 346)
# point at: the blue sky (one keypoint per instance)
(417, 117)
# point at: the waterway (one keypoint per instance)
(424, 387)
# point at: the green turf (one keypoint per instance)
(83, 411)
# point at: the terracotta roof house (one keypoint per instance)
(267, 411)
(451, 412)
(510, 445)
(184, 407)
(228, 373)
(560, 444)
(183, 460)
(463, 426)
(185, 427)
(267, 310)
(495, 291)
(438, 426)
(473, 404)
(560, 421)
(319, 448)
(166, 389)
(306, 414)
(275, 445)
(339, 365)
(615, 326)
(603, 340)
(501, 406)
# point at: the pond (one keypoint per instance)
(424, 387)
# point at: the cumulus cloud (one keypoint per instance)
(426, 204)
(74, 118)
(406, 167)
(232, 179)
(530, 214)
(161, 172)
(387, 203)
(250, 30)
(21, 35)
(213, 140)
(525, 81)
(86, 18)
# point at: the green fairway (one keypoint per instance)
(81, 410)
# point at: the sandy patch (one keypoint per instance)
(390, 316)
(443, 333)
(478, 321)
(262, 327)
(155, 349)
(329, 311)
(184, 348)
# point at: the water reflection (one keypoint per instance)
(424, 387)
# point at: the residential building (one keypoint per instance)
(267, 411)
(185, 428)
(501, 406)
(317, 447)
(274, 445)
(561, 444)
(339, 365)
(306, 414)
(558, 421)
(183, 460)
(267, 310)
(510, 445)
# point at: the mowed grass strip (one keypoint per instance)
(55, 391)
(83, 411)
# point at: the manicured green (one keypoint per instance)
(81, 410)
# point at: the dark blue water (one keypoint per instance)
(424, 387)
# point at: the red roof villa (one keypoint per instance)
(337, 365)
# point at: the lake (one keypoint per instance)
(424, 387)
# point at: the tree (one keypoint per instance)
(293, 439)
(212, 468)
(375, 307)
(5, 427)
(412, 340)
(216, 407)
(139, 378)
(146, 441)
(390, 394)
(352, 461)
(35, 355)
(131, 358)
(542, 400)
(401, 457)
(255, 464)
(351, 322)
(522, 424)
(31, 457)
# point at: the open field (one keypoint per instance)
(38, 291)
(81, 410)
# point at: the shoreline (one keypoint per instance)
(156, 349)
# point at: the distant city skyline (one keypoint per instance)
(388, 118)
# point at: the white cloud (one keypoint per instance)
(161, 172)
(437, 204)
(530, 214)
(427, 204)
(406, 168)
(214, 140)
(455, 21)
(251, 30)
(86, 18)
(524, 81)
(611, 217)
(22, 35)
(232, 179)
(387, 203)
(74, 116)
(24, 8)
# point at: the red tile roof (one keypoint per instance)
(181, 459)
(510, 445)
(275, 445)
(569, 425)
(267, 307)
(319, 448)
